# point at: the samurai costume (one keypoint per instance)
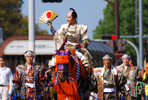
(109, 92)
(70, 37)
(130, 73)
(28, 82)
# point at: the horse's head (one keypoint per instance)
(62, 62)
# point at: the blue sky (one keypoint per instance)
(89, 12)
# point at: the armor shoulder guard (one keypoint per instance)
(38, 67)
(64, 25)
(20, 67)
(83, 28)
(133, 68)
(120, 68)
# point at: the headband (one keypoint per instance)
(107, 57)
(28, 52)
(125, 56)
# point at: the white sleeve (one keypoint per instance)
(84, 35)
(115, 71)
(10, 82)
(82, 58)
(52, 62)
(59, 36)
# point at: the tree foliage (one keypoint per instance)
(126, 20)
(12, 21)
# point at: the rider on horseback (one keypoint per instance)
(71, 36)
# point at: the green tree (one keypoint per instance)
(24, 28)
(126, 20)
(12, 21)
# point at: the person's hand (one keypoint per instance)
(137, 83)
(46, 89)
(49, 24)
(83, 45)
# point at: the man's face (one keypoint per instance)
(70, 19)
(107, 62)
(1, 62)
(126, 61)
(29, 58)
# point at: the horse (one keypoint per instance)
(71, 79)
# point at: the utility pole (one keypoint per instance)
(31, 25)
(136, 17)
(1, 35)
(115, 5)
(116, 9)
(141, 32)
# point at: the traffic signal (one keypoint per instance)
(111, 43)
(109, 37)
(120, 45)
(52, 1)
(114, 37)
